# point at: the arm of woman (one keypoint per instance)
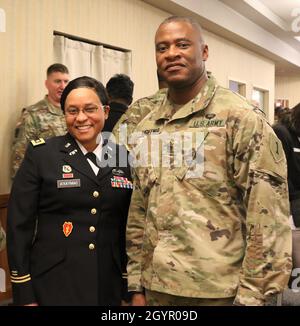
(22, 216)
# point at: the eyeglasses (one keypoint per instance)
(74, 112)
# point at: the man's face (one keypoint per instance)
(180, 53)
(56, 83)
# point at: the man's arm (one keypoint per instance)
(24, 132)
(261, 174)
(21, 223)
(134, 239)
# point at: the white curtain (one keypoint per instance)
(90, 60)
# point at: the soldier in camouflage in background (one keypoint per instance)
(211, 226)
(43, 119)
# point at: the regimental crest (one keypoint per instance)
(67, 168)
(67, 228)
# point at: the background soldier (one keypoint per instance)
(119, 89)
(43, 119)
(137, 112)
(213, 230)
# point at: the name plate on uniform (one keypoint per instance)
(74, 183)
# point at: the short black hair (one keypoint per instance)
(84, 82)
(186, 19)
(57, 67)
(120, 86)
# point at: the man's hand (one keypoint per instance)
(138, 299)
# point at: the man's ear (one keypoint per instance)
(205, 52)
(106, 111)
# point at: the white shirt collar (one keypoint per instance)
(97, 151)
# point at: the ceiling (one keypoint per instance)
(282, 8)
(279, 17)
(268, 27)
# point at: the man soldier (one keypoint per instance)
(43, 119)
(211, 226)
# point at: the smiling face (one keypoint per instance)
(180, 53)
(86, 125)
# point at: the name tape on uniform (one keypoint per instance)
(74, 183)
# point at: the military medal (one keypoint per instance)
(121, 182)
(67, 228)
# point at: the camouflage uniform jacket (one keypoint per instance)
(134, 115)
(219, 233)
(2, 238)
(40, 120)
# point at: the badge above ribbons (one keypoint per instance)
(67, 168)
(67, 228)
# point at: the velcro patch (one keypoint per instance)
(276, 148)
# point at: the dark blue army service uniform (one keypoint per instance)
(77, 254)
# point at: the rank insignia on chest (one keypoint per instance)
(121, 182)
(67, 228)
(66, 169)
(38, 142)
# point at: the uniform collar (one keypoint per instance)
(198, 103)
(97, 151)
(52, 108)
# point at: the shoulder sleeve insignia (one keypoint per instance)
(38, 142)
(276, 148)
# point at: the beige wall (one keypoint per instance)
(26, 52)
(229, 61)
(288, 88)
